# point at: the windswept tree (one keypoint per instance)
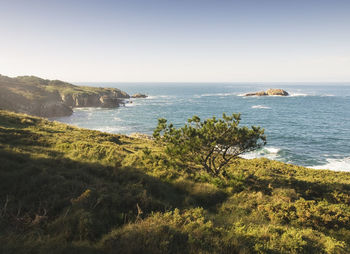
(212, 143)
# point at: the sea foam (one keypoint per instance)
(112, 129)
(266, 152)
(260, 107)
(298, 94)
(335, 164)
(214, 94)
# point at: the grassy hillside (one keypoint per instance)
(48, 98)
(70, 190)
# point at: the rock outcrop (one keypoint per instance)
(279, 92)
(108, 99)
(261, 93)
(269, 92)
(139, 95)
(53, 98)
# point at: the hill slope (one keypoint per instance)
(70, 190)
(49, 98)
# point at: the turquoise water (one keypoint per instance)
(310, 128)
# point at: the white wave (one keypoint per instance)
(149, 97)
(266, 152)
(304, 95)
(273, 150)
(111, 129)
(244, 95)
(90, 109)
(152, 97)
(298, 94)
(260, 107)
(291, 94)
(335, 164)
(214, 94)
(272, 153)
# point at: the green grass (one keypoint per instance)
(70, 190)
(61, 87)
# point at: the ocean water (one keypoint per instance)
(309, 128)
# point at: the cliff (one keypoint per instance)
(51, 98)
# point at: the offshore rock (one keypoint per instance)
(139, 95)
(270, 92)
(261, 93)
(279, 92)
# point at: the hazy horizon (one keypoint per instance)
(177, 41)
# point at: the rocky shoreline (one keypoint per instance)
(139, 96)
(54, 98)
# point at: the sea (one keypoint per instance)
(311, 127)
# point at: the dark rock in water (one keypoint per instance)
(278, 92)
(139, 95)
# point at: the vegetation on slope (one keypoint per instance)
(49, 98)
(212, 143)
(69, 190)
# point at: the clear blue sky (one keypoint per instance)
(176, 40)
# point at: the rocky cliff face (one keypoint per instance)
(105, 99)
(139, 95)
(48, 98)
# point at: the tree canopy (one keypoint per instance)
(212, 143)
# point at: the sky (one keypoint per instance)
(176, 40)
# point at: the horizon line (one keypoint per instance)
(173, 82)
(210, 82)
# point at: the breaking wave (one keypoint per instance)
(266, 152)
(260, 107)
(335, 164)
(214, 94)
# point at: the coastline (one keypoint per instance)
(53, 98)
(285, 124)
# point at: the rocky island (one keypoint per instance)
(52, 98)
(139, 95)
(269, 92)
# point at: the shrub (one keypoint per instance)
(212, 143)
